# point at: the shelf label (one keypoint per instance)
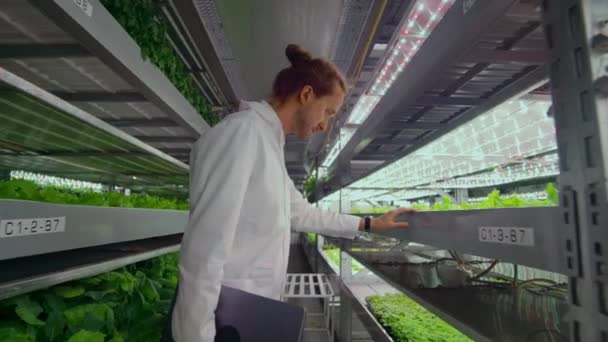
(85, 6)
(31, 226)
(522, 236)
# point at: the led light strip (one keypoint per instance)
(55, 181)
(420, 23)
(415, 29)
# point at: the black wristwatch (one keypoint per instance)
(368, 224)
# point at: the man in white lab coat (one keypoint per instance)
(243, 203)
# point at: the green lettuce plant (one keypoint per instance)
(144, 22)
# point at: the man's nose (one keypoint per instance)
(321, 126)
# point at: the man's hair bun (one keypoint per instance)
(296, 55)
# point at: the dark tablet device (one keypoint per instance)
(245, 317)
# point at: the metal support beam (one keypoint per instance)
(396, 141)
(95, 96)
(77, 154)
(372, 156)
(462, 195)
(448, 101)
(72, 174)
(82, 226)
(93, 153)
(22, 51)
(346, 310)
(506, 56)
(581, 119)
(533, 234)
(159, 122)
(165, 139)
(408, 125)
(176, 151)
(466, 78)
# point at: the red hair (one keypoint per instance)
(317, 73)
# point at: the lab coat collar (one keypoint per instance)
(267, 113)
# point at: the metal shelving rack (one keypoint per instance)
(484, 313)
(80, 53)
(51, 136)
(578, 84)
(568, 239)
(99, 33)
(33, 273)
(78, 101)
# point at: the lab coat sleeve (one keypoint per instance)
(221, 172)
(307, 218)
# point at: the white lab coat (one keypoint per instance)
(243, 204)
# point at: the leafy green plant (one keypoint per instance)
(406, 320)
(552, 194)
(309, 187)
(420, 206)
(333, 254)
(145, 23)
(378, 210)
(129, 304)
(311, 237)
(492, 201)
(28, 190)
(444, 204)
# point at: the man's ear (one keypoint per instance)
(306, 94)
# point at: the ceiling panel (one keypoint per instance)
(259, 31)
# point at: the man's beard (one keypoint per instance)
(301, 125)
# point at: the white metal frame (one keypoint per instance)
(313, 286)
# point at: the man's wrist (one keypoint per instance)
(365, 225)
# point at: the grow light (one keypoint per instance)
(415, 29)
(364, 106)
(41, 179)
(345, 134)
(508, 134)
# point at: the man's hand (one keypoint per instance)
(388, 220)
